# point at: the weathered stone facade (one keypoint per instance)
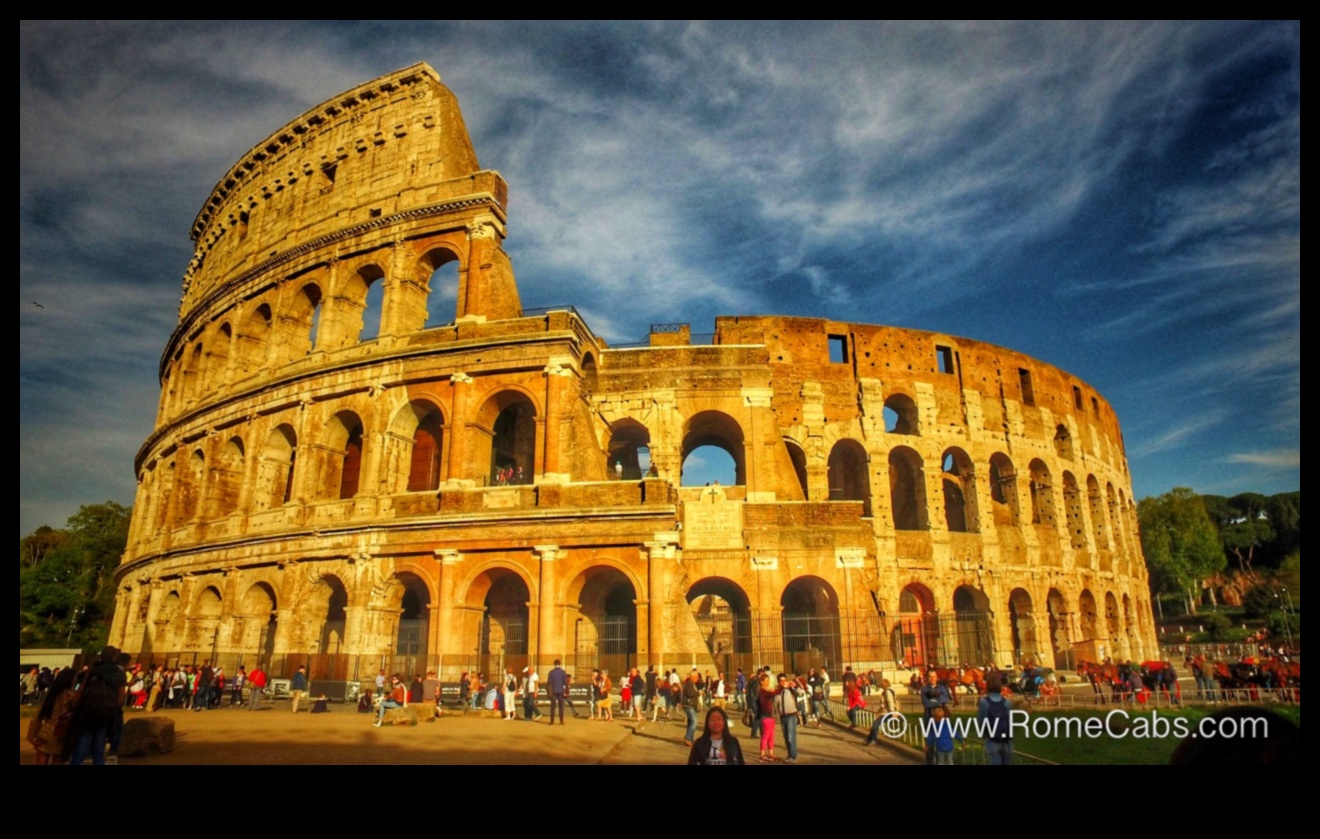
(335, 475)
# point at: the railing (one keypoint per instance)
(538, 311)
(1217, 652)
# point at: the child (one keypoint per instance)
(940, 736)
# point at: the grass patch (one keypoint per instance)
(1138, 738)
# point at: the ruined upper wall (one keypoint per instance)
(1015, 393)
(383, 148)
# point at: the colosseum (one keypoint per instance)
(347, 473)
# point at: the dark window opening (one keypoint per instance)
(944, 356)
(1077, 398)
(1028, 393)
(838, 349)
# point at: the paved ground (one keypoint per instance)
(275, 736)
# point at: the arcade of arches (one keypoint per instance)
(369, 453)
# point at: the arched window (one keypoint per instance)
(707, 435)
(252, 340)
(1099, 531)
(275, 482)
(1063, 444)
(849, 478)
(901, 415)
(424, 466)
(1003, 490)
(907, 489)
(799, 460)
(368, 287)
(629, 450)
(959, 481)
(1072, 498)
(509, 418)
(442, 283)
(227, 478)
(1042, 494)
(344, 469)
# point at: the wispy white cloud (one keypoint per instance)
(1282, 459)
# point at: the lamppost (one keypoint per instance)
(78, 612)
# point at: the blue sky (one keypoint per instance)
(1120, 200)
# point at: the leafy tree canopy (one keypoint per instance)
(66, 578)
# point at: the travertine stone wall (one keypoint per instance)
(341, 469)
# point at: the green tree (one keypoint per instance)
(1180, 542)
(66, 577)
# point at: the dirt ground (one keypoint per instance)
(275, 736)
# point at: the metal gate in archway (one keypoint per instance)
(606, 642)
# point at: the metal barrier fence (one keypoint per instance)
(1216, 652)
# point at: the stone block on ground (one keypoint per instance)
(146, 736)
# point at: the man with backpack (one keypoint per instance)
(100, 703)
(995, 720)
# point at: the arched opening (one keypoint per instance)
(207, 611)
(512, 423)
(169, 622)
(799, 460)
(442, 288)
(907, 489)
(971, 610)
(365, 295)
(276, 468)
(1129, 627)
(901, 415)
(1099, 530)
(1088, 619)
(1114, 506)
(1003, 490)
(304, 320)
(343, 471)
(606, 634)
(1063, 444)
(428, 440)
(192, 375)
(810, 625)
(588, 374)
(707, 435)
(1042, 494)
(849, 478)
(1060, 640)
(227, 478)
(330, 604)
(723, 613)
(959, 482)
(252, 340)
(1113, 622)
(915, 641)
(190, 488)
(260, 616)
(1072, 499)
(629, 450)
(1023, 626)
(217, 367)
(414, 623)
(504, 623)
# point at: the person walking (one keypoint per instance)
(787, 707)
(558, 684)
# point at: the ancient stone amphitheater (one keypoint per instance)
(353, 469)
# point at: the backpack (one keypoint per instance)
(98, 703)
(998, 720)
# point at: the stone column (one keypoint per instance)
(658, 555)
(555, 373)
(547, 640)
(447, 634)
(458, 432)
